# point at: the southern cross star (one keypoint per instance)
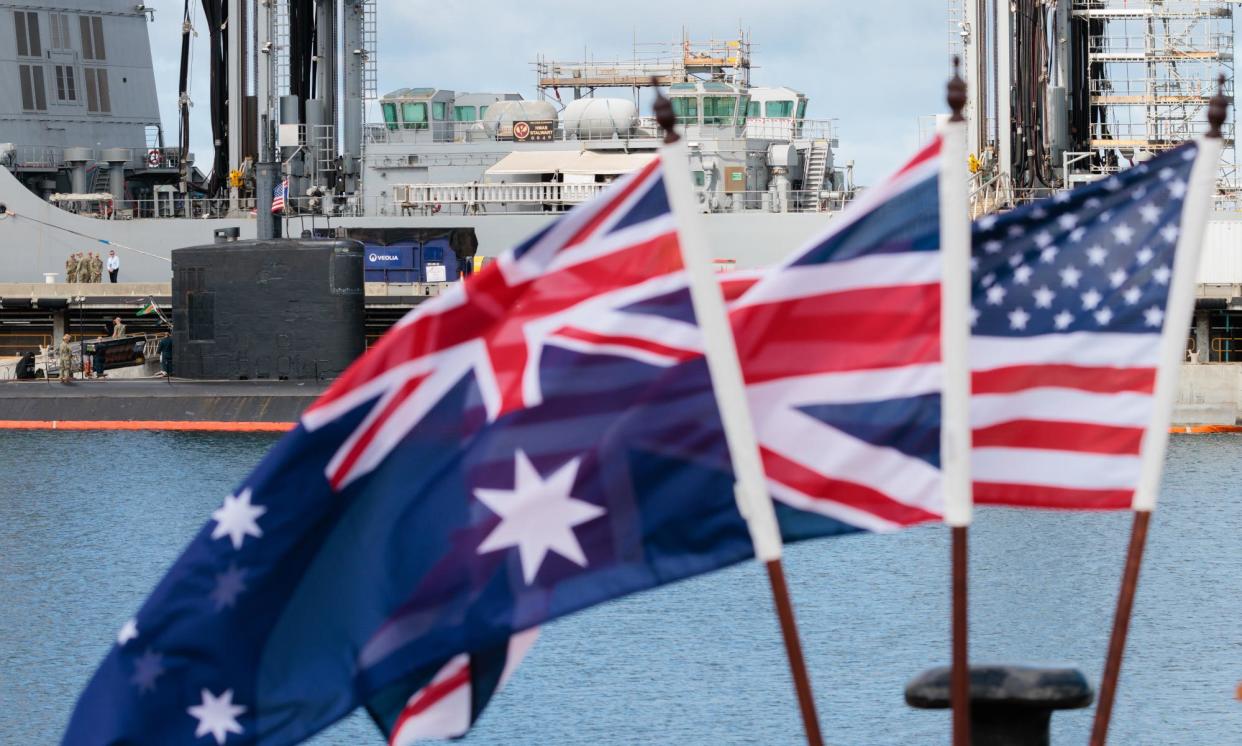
(217, 716)
(129, 631)
(537, 516)
(229, 584)
(237, 519)
(148, 668)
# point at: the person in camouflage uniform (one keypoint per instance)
(96, 267)
(71, 270)
(79, 267)
(66, 359)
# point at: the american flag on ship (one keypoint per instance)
(1069, 298)
(279, 195)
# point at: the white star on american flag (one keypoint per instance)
(1117, 278)
(1044, 297)
(1123, 233)
(1096, 255)
(996, 295)
(1161, 274)
(1063, 319)
(1070, 276)
(1153, 316)
(1132, 295)
(1103, 316)
(1091, 299)
(1150, 213)
(1018, 318)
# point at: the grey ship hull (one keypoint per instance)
(30, 248)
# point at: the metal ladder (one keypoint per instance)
(816, 167)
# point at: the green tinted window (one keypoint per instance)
(752, 109)
(686, 108)
(390, 115)
(778, 109)
(801, 108)
(464, 113)
(414, 116)
(743, 109)
(482, 111)
(718, 109)
(699, 178)
(439, 110)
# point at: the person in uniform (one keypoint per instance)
(71, 270)
(118, 328)
(165, 350)
(80, 267)
(66, 359)
(96, 268)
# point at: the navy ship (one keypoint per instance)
(87, 158)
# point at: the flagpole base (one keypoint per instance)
(1009, 705)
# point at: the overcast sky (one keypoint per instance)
(875, 66)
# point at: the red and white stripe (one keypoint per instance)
(1058, 419)
(444, 708)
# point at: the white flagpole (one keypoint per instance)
(1195, 212)
(720, 350)
(955, 386)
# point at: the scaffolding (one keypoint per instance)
(1153, 68)
(658, 64)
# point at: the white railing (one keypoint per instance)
(430, 199)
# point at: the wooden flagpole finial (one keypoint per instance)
(1218, 108)
(664, 115)
(956, 96)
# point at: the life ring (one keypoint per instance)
(154, 157)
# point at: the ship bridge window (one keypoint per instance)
(775, 109)
(34, 96)
(482, 111)
(414, 116)
(65, 83)
(97, 90)
(801, 108)
(464, 113)
(438, 110)
(27, 25)
(60, 31)
(718, 109)
(752, 109)
(686, 109)
(92, 37)
(390, 115)
(743, 110)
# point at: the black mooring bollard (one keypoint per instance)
(1009, 705)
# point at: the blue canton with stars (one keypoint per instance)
(1095, 259)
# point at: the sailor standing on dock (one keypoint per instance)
(66, 359)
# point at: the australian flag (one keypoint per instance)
(541, 438)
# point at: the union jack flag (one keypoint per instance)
(840, 347)
(1070, 296)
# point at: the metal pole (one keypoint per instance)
(1121, 627)
(1195, 212)
(720, 350)
(955, 434)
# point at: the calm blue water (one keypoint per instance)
(90, 521)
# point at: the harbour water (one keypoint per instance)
(90, 521)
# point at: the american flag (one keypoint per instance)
(279, 195)
(1069, 299)
(840, 347)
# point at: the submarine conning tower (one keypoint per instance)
(282, 309)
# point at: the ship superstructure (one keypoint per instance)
(291, 92)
